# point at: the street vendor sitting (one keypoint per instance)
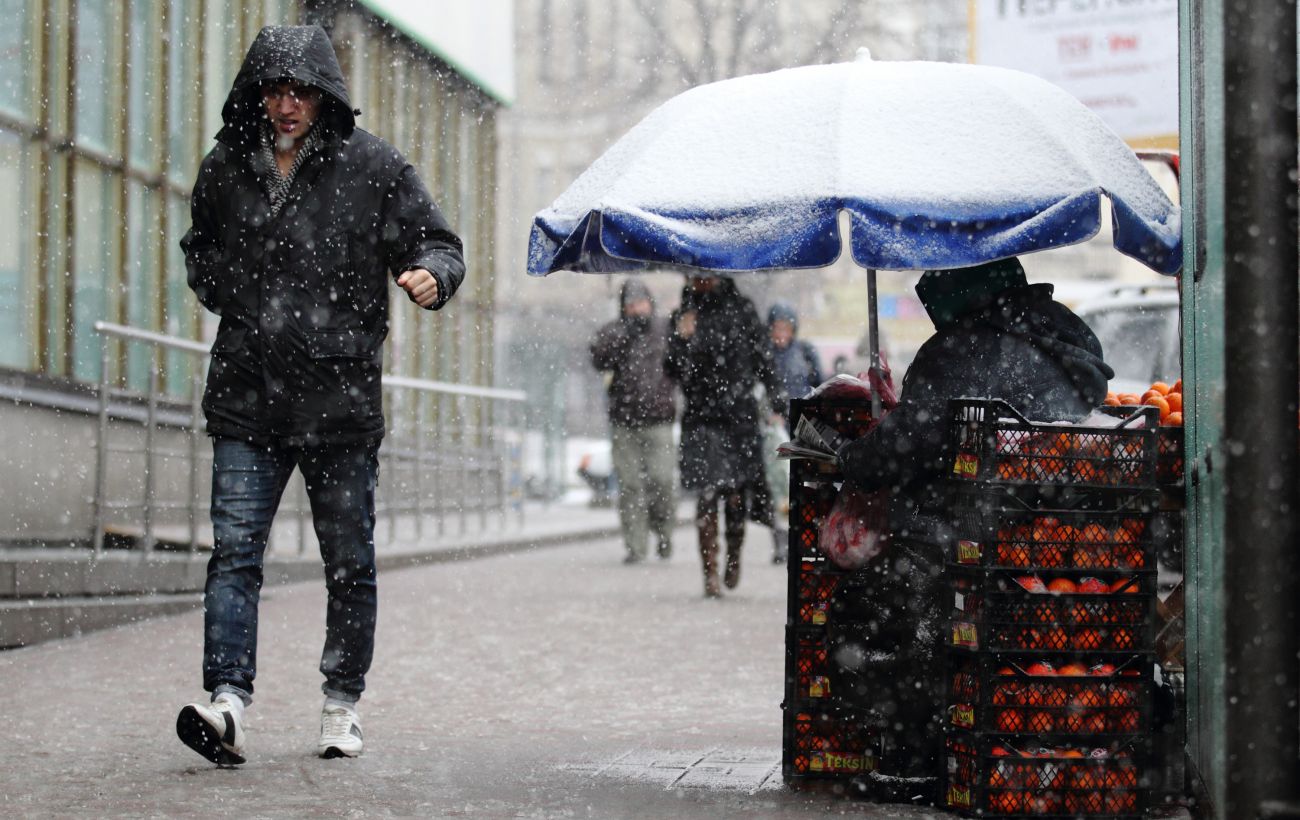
(996, 337)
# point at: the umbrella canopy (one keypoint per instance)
(938, 165)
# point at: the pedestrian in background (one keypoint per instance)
(800, 371)
(299, 221)
(719, 352)
(630, 350)
(796, 360)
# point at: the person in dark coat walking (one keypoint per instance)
(641, 412)
(799, 369)
(997, 337)
(300, 222)
(718, 351)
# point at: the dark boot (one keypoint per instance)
(731, 577)
(706, 524)
(735, 539)
(780, 545)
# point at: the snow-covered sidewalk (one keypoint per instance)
(541, 683)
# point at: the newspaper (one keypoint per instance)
(813, 439)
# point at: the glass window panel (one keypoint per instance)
(54, 266)
(95, 74)
(16, 303)
(141, 296)
(95, 252)
(183, 117)
(220, 38)
(142, 83)
(179, 311)
(15, 56)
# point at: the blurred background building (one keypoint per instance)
(588, 71)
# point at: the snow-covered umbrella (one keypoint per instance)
(938, 165)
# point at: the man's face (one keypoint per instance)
(292, 107)
(782, 333)
(638, 307)
(703, 284)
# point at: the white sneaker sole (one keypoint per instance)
(195, 731)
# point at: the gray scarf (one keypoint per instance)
(277, 186)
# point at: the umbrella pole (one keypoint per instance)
(873, 336)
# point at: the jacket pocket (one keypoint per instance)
(340, 344)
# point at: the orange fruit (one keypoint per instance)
(1088, 640)
(1161, 388)
(1175, 402)
(1073, 669)
(1129, 399)
(1178, 387)
(1173, 420)
(1111, 400)
(1158, 402)
(1062, 586)
(1010, 720)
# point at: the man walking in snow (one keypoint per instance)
(299, 220)
(641, 410)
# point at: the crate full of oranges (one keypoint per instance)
(993, 445)
(1167, 399)
(990, 776)
(999, 532)
(1029, 696)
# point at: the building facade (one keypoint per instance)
(106, 109)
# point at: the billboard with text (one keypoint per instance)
(1120, 57)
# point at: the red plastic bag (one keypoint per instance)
(844, 386)
(857, 527)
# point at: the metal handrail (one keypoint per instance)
(492, 442)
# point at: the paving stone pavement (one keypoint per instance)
(552, 683)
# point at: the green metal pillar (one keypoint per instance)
(1241, 337)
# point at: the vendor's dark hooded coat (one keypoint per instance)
(888, 618)
(718, 368)
(303, 296)
(1025, 348)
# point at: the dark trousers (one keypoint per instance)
(247, 482)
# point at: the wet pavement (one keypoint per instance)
(547, 683)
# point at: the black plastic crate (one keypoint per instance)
(994, 445)
(808, 665)
(1169, 457)
(995, 612)
(821, 742)
(988, 775)
(999, 696)
(813, 490)
(999, 531)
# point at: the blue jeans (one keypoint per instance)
(247, 482)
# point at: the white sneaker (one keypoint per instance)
(340, 732)
(214, 730)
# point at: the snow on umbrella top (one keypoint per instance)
(939, 165)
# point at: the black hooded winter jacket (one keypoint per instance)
(1026, 349)
(303, 296)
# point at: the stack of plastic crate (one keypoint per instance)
(1050, 663)
(822, 739)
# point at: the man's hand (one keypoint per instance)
(686, 324)
(420, 285)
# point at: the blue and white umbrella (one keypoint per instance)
(938, 165)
